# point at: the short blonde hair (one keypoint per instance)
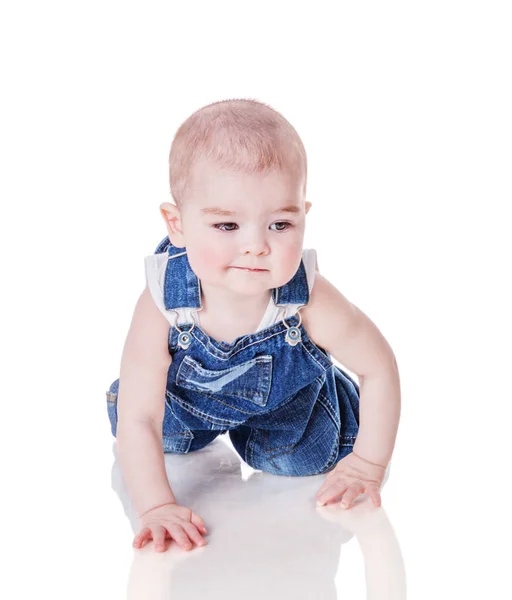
(243, 135)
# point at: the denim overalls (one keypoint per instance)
(287, 408)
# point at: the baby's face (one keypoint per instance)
(235, 221)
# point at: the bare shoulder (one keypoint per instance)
(328, 308)
(148, 333)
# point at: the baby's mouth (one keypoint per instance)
(251, 270)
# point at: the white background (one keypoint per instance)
(404, 109)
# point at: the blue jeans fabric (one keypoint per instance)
(287, 408)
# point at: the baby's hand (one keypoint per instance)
(352, 477)
(170, 521)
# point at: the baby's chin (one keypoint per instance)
(270, 279)
(242, 283)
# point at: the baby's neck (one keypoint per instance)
(216, 300)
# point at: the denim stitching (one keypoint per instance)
(328, 409)
(331, 461)
(249, 448)
(199, 413)
(347, 440)
(320, 365)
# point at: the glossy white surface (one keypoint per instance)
(404, 109)
(266, 536)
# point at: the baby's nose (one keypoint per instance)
(256, 245)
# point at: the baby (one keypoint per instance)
(257, 362)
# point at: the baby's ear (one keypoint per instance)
(172, 218)
(307, 206)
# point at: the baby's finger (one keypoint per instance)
(180, 536)
(330, 490)
(354, 490)
(374, 493)
(193, 534)
(198, 522)
(159, 533)
(328, 483)
(143, 535)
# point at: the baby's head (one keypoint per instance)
(234, 165)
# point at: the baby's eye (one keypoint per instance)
(281, 226)
(284, 223)
(221, 225)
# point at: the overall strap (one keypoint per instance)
(182, 287)
(295, 291)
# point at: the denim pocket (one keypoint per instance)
(250, 380)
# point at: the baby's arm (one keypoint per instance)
(339, 327)
(142, 381)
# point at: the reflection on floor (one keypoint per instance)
(266, 536)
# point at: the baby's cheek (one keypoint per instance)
(290, 259)
(206, 260)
